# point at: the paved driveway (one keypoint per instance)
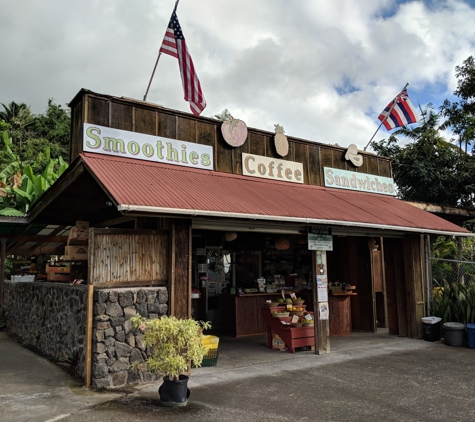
(367, 377)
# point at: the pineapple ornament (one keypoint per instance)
(280, 141)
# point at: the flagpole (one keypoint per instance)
(156, 63)
(389, 112)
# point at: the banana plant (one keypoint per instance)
(20, 190)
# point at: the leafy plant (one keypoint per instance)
(174, 342)
(19, 191)
(454, 302)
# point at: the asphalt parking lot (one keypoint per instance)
(367, 377)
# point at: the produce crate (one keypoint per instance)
(210, 342)
(211, 358)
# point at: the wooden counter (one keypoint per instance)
(240, 315)
(340, 313)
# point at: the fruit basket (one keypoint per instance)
(280, 314)
(298, 313)
(271, 304)
(298, 302)
(287, 319)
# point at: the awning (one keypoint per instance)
(147, 187)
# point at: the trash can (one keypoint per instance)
(453, 333)
(471, 335)
(431, 328)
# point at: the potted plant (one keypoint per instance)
(175, 343)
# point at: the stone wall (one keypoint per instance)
(116, 345)
(49, 317)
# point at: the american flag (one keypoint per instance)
(174, 45)
(399, 112)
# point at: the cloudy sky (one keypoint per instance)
(324, 70)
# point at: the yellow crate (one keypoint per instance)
(210, 342)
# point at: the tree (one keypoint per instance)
(31, 157)
(430, 169)
(20, 123)
(31, 135)
(460, 116)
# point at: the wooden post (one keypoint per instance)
(322, 327)
(171, 284)
(89, 310)
(2, 267)
(190, 270)
(89, 323)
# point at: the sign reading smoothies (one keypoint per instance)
(122, 143)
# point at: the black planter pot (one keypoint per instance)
(174, 393)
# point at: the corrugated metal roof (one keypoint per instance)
(138, 185)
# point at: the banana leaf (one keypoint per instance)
(11, 212)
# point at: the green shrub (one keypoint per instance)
(455, 302)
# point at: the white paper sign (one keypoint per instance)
(323, 311)
(322, 288)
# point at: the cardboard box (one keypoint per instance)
(57, 277)
(76, 253)
(82, 226)
(57, 270)
(77, 237)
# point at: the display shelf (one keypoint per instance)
(293, 337)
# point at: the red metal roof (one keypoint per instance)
(145, 186)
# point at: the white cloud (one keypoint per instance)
(323, 70)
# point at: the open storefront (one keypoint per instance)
(181, 222)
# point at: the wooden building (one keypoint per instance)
(171, 203)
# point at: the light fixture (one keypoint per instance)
(282, 244)
(230, 236)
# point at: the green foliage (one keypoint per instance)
(430, 169)
(455, 302)
(19, 191)
(31, 135)
(175, 343)
(461, 114)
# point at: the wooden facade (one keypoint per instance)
(150, 119)
(128, 257)
(167, 254)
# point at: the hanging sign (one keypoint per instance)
(320, 242)
(122, 143)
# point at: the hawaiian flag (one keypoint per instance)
(174, 45)
(399, 112)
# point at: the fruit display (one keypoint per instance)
(280, 314)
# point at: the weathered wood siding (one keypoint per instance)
(180, 286)
(128, 257)
(147, 118)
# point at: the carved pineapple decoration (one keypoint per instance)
(280, 141)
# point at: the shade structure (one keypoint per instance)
(149, 187)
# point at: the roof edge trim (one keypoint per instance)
(204, 213)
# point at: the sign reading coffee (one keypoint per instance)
(272, 168)
(122, 143)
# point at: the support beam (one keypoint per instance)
(3, 242)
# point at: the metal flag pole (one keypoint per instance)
(158, 58)
(389, 112)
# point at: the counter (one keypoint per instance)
(240, 315)
(339, 305)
